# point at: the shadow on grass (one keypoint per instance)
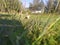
(9, 29)
(5, 15)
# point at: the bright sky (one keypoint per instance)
(27, 2)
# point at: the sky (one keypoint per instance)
(27, 2)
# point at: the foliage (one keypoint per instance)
(50, 7)
(10, 5)
(38, 30)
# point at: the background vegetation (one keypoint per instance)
(39, 29)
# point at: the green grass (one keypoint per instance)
(42, 29)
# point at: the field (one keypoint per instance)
(41, 29)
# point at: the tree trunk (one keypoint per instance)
(57, 6)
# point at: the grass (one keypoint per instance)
(42, 29)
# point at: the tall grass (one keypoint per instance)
(38, 30)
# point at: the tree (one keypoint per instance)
(53, 5)
(36, 2)
(58, 5)
(50, 5)
(37, 5)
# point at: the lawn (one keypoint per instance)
(41, 29)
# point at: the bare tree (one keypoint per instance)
(37, 5)
(50, 5)
(36, 2)
(58, 5)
